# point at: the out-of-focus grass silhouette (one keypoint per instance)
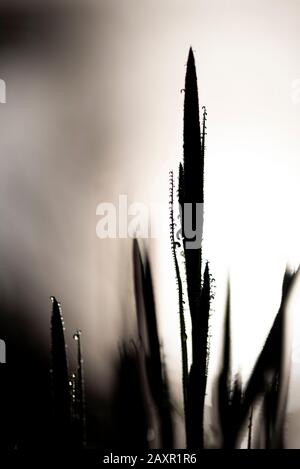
(153, 369)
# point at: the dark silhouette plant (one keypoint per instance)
(60, 379)
(79, 414)
(153, 368)
(191, 197)
(68, 395)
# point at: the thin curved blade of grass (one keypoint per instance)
(80, 404)
(183, 335)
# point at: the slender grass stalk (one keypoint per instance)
(60, 378)
(183, 335)
(249, 444)
(80, 398)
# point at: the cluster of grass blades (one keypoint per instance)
(254, 411)
(267, 384)
(191, 196)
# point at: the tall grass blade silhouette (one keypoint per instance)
(80, 393)
(148, 332)
(60, 379)
(191, 192)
